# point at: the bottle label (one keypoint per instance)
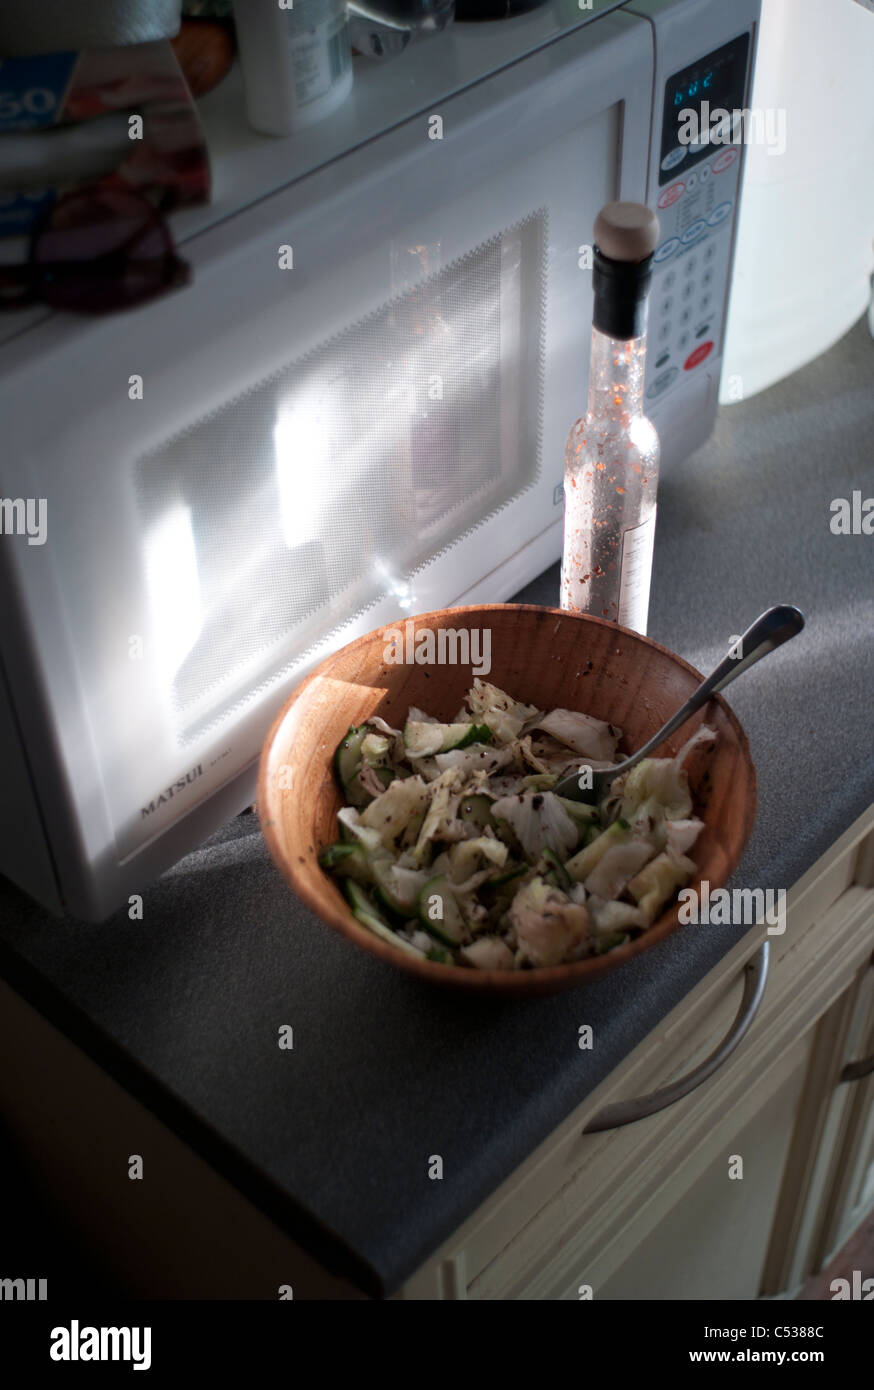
(636, 573)
(320, 51)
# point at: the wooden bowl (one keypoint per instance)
(544, 657)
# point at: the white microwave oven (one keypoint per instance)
(355, 411)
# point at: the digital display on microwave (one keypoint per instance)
(695, 97)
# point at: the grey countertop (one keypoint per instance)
(333, 1138)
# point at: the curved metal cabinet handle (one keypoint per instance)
(625, 1112)
(854, 1071)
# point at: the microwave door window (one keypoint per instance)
(322, 490)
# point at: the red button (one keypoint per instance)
(671, 194)
(724, 160)
(697, 355)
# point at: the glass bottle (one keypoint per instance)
(612, 453)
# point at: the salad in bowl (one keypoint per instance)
(455, 847)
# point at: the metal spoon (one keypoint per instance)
(769, 631)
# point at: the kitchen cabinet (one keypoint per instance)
(650, 1209)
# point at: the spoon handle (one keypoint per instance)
(770, 630)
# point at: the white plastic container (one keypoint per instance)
(804, 252)
(296, 60)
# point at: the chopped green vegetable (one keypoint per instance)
(423, 740)
(397, 888)
(476, 809)
(368, 914)
(347, 762)
(440, 914)
(608, 941)
(580, 811)
(658, 881)
(562, 877)
(348, 859)
(585, 860)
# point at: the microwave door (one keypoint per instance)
(357, 411)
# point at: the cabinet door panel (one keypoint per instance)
(713, 1244)
(852, 1195)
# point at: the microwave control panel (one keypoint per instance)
(696, 199)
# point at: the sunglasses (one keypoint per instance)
(97, 250)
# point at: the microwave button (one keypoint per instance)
(672, 194)
(675, 157)
(724, 160)
(685, 315)
(719, 214)
(705, 328)
(683, 342)
(665, 357)
(662, 382)
(704, 174)
(667, 249)
(693, 230)
(691, 181)
(697, 355)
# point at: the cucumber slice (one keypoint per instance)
(539, 782)
(347, 858)
(439, 954)
(387, 889)
(504, 831)
(609, 940)
(450, 928)
(351, 756)
(366, 912)
(498, 893)
(580, 810)
(347, 763)
(477, 810)
(585, 860)
(557, 870)
(476, 733)
(424, 740)
(506, 877)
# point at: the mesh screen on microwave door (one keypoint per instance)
(324, 488)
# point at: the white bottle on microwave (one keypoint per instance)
(296, 60)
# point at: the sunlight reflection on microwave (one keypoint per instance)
(174, 587)
(305, 477)
(399, 588)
